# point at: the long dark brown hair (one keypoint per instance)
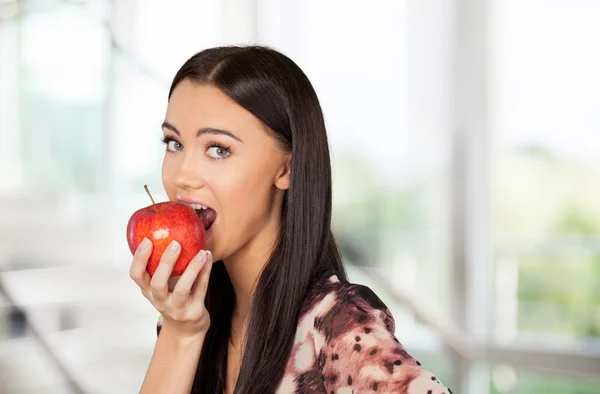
(274, 89)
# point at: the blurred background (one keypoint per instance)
(465, 137)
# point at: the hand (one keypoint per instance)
(182, 308)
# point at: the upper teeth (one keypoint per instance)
(196, 206)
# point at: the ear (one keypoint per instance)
(282, 181)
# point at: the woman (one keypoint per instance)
(246, 146)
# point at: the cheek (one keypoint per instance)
(243, 190)
(238, 188)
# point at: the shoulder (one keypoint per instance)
(332, 302)
(353, 334)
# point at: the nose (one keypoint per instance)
(189, 173)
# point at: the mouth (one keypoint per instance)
(206, 214)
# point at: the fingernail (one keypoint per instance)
(145, 244)
(173, 247)
(201, 256)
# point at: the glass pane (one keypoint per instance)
(507, 380)
(546, 164)
(64, 53)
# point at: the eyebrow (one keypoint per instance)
(204, 130)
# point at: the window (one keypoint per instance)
(63, 58)
(546, 163)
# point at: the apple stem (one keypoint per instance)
(151, 199)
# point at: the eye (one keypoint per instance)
(216, 151)
(172, 144)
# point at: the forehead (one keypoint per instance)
(194, 106)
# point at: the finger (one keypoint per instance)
(137, 271)
(183, 288)
(201, 285)
(209, 260)
(158, 284)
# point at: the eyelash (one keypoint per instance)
(209, 145)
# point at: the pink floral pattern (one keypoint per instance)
(345, 344)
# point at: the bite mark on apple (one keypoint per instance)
(161, 233)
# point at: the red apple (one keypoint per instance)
(162, 223)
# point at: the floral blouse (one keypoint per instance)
(345, 344)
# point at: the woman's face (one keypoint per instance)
(221, 156)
